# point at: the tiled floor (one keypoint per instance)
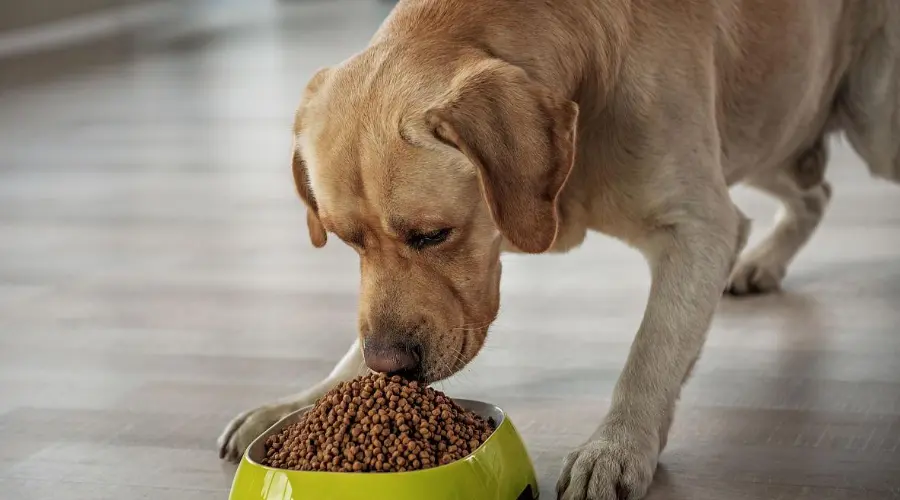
(155, 278)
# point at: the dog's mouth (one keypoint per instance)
(453, 359)
(418, 373)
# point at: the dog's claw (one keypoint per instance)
(243, 429)
(614, 467)
(754, 278)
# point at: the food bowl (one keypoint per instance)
(499, 469)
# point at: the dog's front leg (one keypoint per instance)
(690, 261)
(249, 425)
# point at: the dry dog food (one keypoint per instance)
(378, 424)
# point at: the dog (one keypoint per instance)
(469, 128)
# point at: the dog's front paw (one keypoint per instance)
(616, 466)
(246, 427)
(756, 276)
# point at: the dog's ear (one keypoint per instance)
(317, 233)
(521, 138)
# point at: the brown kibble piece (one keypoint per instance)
(378, 423)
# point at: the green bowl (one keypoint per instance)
(499, 469)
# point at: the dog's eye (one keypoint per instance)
(419, 241)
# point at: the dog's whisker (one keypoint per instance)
(457, 357)
(477, 325)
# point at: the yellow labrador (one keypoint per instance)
(471, 127)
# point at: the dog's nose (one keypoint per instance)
(404, 359)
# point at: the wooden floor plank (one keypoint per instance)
(155, 278)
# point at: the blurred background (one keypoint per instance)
(156, 279)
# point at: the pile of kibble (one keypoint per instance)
(378, 424)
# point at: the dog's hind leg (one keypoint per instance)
(804, 193)
(249, 425)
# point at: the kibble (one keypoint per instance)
(378, 423)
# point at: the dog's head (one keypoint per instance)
(424, 167)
